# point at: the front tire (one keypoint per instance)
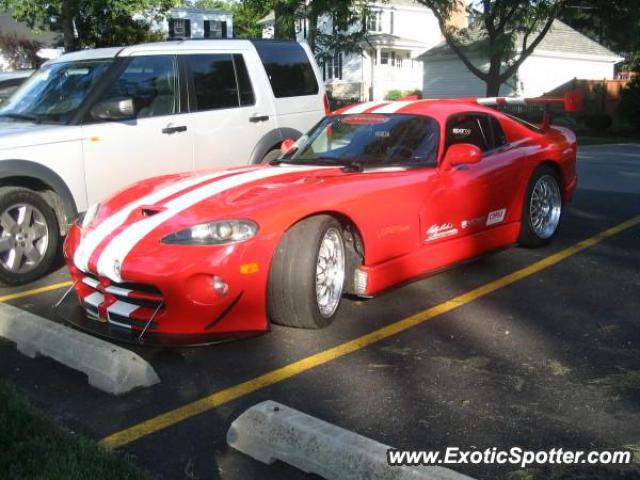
(29, 236)
(307, 275)
(542, 209)
(271, 155)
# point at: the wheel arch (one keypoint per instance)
(556, 167)
(271, 140)
(37, 177)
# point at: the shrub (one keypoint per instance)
(630, 102)
(20, 52)
(393, 95)
(599, 122)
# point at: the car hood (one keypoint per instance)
(26, 134)
(154, 208)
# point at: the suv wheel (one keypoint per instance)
(271, 155)
(29, 236)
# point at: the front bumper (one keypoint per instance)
(168, 297)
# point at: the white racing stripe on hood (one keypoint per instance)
(91, 241)
(117, 250)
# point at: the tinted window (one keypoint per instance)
(213, 81)
(288, 68)
(373, 140)
(469, 128)
(152, 84)
(244, 83)
(499, 138)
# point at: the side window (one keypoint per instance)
(499, 139)
(288, 68)
(469, 128)
(213, 81)
(244, 82)
(152, 84)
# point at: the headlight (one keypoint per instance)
(214, 233)
(85, 219)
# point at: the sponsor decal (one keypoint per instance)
(472, 222)
(436, 231)
(496, 216)
(461, 132)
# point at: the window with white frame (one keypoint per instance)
(332, 68)
(374, 21)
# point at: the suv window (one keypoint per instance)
(152, 84)
(484, 131)
(218, 81)
(288, 68)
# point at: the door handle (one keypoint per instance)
(169, 130)
(258, 118)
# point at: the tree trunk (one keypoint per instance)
(67, 13)
(284, 28)
(493, 77)
(313, 27)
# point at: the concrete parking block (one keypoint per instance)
(110, 368)
(270, 431)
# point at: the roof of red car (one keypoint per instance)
(431, 107)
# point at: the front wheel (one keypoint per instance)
(542, 208)
(308, 274)
(29, 236)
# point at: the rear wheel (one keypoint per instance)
(542, 209)
(271, 155)
(308, 274)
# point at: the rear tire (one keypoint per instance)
(29, 236)
(307, 275)
(271, 155)
(542, 209)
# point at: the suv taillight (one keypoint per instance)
(327, 108)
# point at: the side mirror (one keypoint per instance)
(460, 154)
(120, 108)
(287, 144)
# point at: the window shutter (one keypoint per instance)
(340, 66)
(187, 28)
(207, 29)
(224, 29)
(172, 30)
(391, 19)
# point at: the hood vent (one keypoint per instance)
(149, 211)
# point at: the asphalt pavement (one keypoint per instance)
(548, 361)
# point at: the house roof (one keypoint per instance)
(560, 38)
(8, 25)
(386, 39)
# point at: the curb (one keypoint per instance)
(110, 368)
(270, 431)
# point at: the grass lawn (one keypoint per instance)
(33, 446)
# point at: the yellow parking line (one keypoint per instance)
(221, 397)
(35, 291)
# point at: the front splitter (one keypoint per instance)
(72, 313)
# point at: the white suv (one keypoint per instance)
(90, 122)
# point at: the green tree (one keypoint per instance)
(91, 23)
(616, 26)
(504, 32)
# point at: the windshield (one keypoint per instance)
(55, 92)
(370, 140)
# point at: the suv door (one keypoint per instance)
(228, 115)
(155, 142)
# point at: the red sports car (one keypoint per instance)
(374, 195)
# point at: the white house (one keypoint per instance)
(562, 55)
(398, 31)
(197, 23)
